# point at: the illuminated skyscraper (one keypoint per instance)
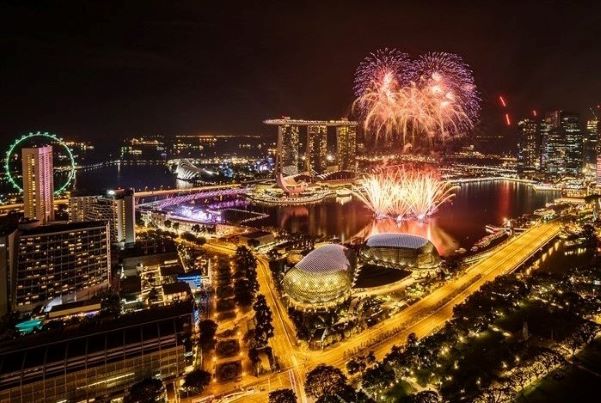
(346, 147)
(528, 146)
(562, 144)
(571, 127)
(317, 149)
(117, 209)
(287, 150)
(591, 141)
(38, 183)
(59, 259)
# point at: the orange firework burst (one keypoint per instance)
(435, 96)
(402, 194)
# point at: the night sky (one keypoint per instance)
(105, 70)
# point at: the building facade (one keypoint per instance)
(100, 364)
(287, 159)
(591, 141)
(118, 208)
(317, 149)
(346, 148)
(38, 183)
(59, 259)
(528, 146)
(562, 143)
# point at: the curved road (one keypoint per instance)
(422, 318)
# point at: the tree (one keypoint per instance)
(208, 328)
(324, 380)
(425, 396)
(196, 228)
(147, 391)
(282, 396)
(167, 223)
(175, 226)
(110, 303)
(380, 376)
(263, 321)
(411, 340)
(242, 291)
(197, 380)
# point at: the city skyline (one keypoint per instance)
(516, 53)
(308, 202)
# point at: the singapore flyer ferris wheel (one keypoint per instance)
(62, 152)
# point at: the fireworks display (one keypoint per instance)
(434, 95)
(402, 194)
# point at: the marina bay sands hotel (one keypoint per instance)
(289, 160)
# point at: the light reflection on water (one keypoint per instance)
(458, 224)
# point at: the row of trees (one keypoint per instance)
(245, 283)
(263, 322)
(327, 384)
(562, 319)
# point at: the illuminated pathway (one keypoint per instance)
(422, 318)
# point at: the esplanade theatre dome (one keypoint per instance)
(321, 280)
(400, 250)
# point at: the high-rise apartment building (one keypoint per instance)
(38, 183)
(317, 149)
(59, 259)
(117, 208)
(346, 147)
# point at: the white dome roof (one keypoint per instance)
(392, 240)
(325, 259)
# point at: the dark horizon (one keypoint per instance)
(103, 70)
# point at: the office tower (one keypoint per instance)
(317, 149)
(528, 146)
(101, 360)
(346, 147)
(59, 259)
(117, 208)
(38, 183)
(591, 141)
(287, 150)
(571, 127)
(562, 144)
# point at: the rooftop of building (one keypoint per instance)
(61, 226)
(102, 325)
(396, 240)
(171, 269)
(326, 259)
(176, 288)
(75, 304)
(256, 234)
(130, 285)
(285, 120)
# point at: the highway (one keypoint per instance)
(422, 318)
(138, 195)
